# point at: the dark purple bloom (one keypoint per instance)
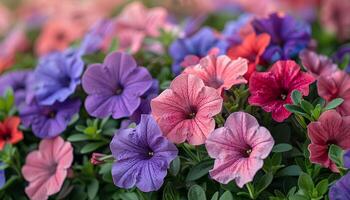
(18, 82)
(143, 156)
(2, 177)
(343, 55)
(197, 45)
(57, 76)
(341, 189)
(346, 159)
(288, 36)
(115, 87)
(49, 121)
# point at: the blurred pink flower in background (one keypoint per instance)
(316, 64)
(47, 168)
(5, 19)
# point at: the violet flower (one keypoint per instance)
(143, 156)
(341, 55)
(341, 189)
(2, 177)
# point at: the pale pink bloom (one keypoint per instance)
(47, 168)
(316, 64)
(220, 72)
(336, 85)
(239, 149)
(5, 19)
(185, 111)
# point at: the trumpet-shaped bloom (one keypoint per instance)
(316, 64)
(336, 85)
(185, 111)
(272, 90)
(143, 156)
(252, 48)
(220, 72)
(46, 169)
(341, 189)
(115, 87)
(239, 149)
(331, 128)
(9, 132)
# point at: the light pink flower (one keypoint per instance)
(336, 85)
(185, 111)
(46, 169)
(220, 72)
(316, 64)
(238, 149)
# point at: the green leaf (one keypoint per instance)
(335, 153)
(305, 183)
(91, 147)
(296, 97)
(170, 193)
(283, 147)
(77, 138)
(292, 170)
(195, 193)
(199, 170)
(226, 196)
(175, 166)
(92, 189)
(307, 106)
(263, 183)
(215, 196)
(294, 109)
(322, 187)
(333, 104)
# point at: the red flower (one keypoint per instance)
(9, 132)
(331, 128)
(272, 90)
(252, 48)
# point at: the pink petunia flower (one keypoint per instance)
(239, 149)
(272, 90)
(220, 72)
(316, 64)
(185, 111)
(336, 85)
(331, 128)
(46, 169)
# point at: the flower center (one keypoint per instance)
(150, 154)
(49, 113)
(60, 36)
(192, 113)
(216, 83)
(284, 94)
(248, 152)
(119, 90)
(5, 136)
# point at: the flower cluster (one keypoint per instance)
(116, 99)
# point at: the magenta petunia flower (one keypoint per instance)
(115, 87)
(272, 90)
(238, 148)
(316, 64)
(336, 85)
(47, 168)
(220, 72)
(185, 111)
(331, 128)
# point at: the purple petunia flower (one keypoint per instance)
(115, 87)
(346, 159)
(2, 177)
(341, 55)
(197, 45)
(143, 156)
(341, 189)
(49, 121)
(18, 82)
(288, 36)
(57, 76)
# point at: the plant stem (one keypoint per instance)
(250, 190)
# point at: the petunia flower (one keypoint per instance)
(252, 48)
(185, 111)
(288, 36)
(9, 132)
(331, 128)
(2, 176)
(48, 121)
(57, 76)
(340, 190)
(142, 155)
(46, 169)
(346, 159)
(336, 85)
(219, 72)
(341, 55)
(271, 90)
(18, 81)
(196, 46)
(239, 149)
(316, 64)
(115, 87)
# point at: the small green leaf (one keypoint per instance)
(170, 192)
(92, 189)
(77, 138)
(283, 147)
(175, 166)
(296, 97)
(336, 153)
(322, 187)
(226, 196)
(215, 196)
(306, 106)
(333, 104)
(199, 170)
(263, 183)
(91, 147)
(305, 183)
(196, 192)
(294, 109)
(292, 170)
